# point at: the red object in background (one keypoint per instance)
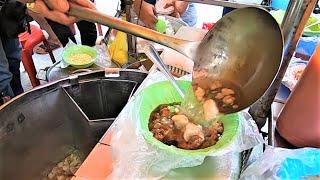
(299, 121)
(28, 42)
(207, 26)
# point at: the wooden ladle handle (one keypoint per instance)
(124, 26)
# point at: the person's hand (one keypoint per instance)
(147, 14)
(171, 4)
(180, 7)
(176, 8)
(57, 11)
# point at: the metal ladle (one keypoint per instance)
(244, 48)
(153, 55)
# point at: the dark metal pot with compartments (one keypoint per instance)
(40, 127)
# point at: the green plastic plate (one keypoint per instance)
(164, 93)
(68, 52)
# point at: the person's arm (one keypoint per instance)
(146, 11)
(59, 9)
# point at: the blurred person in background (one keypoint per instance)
(13, 20)
(63, 33)
(145, 9)
(88, 32)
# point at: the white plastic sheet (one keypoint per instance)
(294, 72)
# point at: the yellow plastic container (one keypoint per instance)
(118, 49)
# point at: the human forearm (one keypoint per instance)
(181, 6)
(146, 12)
(58, 9)
(136, 5)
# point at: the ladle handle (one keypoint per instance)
(153, 55)
(124, 26)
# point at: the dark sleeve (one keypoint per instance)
(151, 1)
(13, 19)
(1, 3)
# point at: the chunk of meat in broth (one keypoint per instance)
(199, 93)
(161, 131)
(180, 121)
(218, 126)
(165, 112)
(193, 130)
(210, 109)
(226, 91)
(215, 85)
(195, 142)
(228, 100)
(174, 128)
(212, 134)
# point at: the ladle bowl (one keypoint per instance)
(244, 48)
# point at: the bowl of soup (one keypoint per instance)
(161, 99)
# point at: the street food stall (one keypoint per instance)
(134, 123)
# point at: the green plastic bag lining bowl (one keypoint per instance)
(79, 49)
(163, 93)
(312, 31)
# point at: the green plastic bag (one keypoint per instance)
(164, 93)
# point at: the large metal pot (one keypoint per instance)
(40, 127)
